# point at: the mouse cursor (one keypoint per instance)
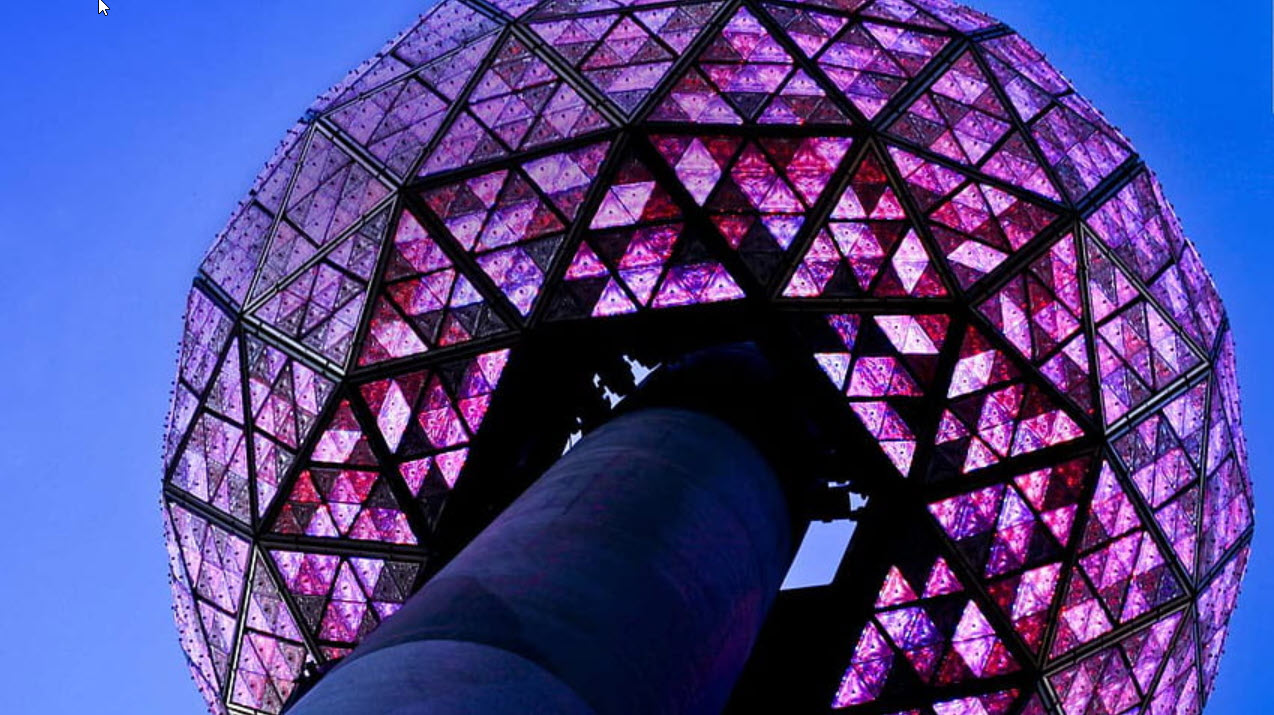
(102, 8)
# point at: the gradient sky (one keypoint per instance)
(128, 139)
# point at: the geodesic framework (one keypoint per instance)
(401, 324)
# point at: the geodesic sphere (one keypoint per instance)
(400, 326)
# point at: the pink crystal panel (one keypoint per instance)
(628, 52)
(871, 62)
(924, 627)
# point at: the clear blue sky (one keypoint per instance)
(129, 138)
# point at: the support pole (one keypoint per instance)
(632, 577)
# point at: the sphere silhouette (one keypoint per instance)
(454, 257)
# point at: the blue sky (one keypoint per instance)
(129, 138)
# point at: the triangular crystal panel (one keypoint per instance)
(746, 75)
(449, 25)
(519, 103)
(1178, 690)
(934, 639)
(1081, 151)
(959, 117)
(322, 306)
(1120, 560)
(627, 54)
(995, 412)
(977, 226)
(869, 247)
(331, 193)
(510, 228)
(397, 121)
(1216, 606)
(1227, 499)
(871, 62)
(425, 302)
(1140, 351)
(340, 599)
(1015, 536)
(640, 253)
(274, 652)
(886, 370)
(756, 192)
(427, 419)
(1162, 456)
(1040, 310)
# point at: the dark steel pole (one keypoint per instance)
(632, 577)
